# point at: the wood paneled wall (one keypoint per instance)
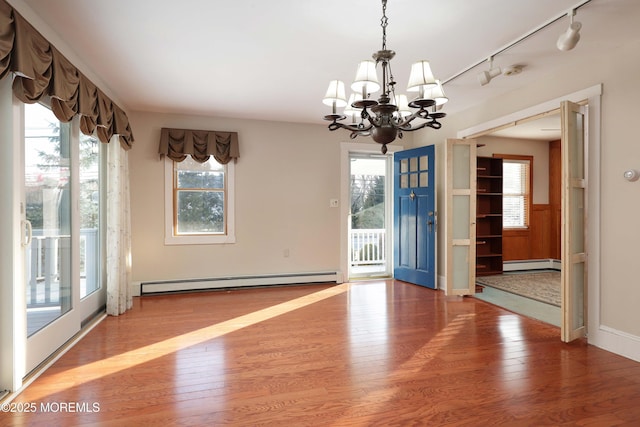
(542, 239)
(533, 242)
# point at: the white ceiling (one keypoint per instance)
(273, 59)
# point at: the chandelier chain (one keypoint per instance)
(383, 22)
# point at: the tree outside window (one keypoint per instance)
(199, 197)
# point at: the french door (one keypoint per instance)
(460, 206)
(415, 216)
(574, 203)
(61, 253)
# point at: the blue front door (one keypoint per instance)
(414, 216)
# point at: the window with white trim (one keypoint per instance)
(516, 194)
(199, 202)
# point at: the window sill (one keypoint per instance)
(199, 240)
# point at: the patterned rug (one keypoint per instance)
(542, 286)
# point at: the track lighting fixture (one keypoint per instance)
(486, 76)
(569, 39)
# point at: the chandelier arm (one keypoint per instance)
(434, 124)
(352, 128)
(409, 127)
(422, 114)
(354, 134)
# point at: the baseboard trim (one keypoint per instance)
(533, 264)
(211, 283)
(616, 341)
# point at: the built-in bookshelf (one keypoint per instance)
(489, 216)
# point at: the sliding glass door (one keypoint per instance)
(60, 216)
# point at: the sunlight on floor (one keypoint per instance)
(130, 359)
(416, 363)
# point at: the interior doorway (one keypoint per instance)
(531, 236)
(575, 307)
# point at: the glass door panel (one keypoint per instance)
(89, 215)
(368, 223)
(461, 214)
(50, 264)
(48, 210)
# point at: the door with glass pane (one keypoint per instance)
(460, 208)
(368, 215)
(414, 213)
(61, 249)
(574, 250)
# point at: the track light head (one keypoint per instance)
(569, 39)
(486, 76)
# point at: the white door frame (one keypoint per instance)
(345, 185)
(12, 302)
(592, 95)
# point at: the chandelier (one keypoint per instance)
(389, 116)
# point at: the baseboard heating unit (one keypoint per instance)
(189, 285)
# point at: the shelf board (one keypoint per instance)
(488, 255)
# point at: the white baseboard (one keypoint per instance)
(161, 286)
(534, 264)
(616, 341)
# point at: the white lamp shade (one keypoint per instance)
(366, 77)
(349, 109)
(421, 76)
(569, 39)
(403, 105)
(335, 94)
(437, 94)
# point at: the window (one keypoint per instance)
(199, 202)
(516, 193)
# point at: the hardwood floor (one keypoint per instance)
(361, 354)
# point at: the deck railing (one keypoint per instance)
(368, 246)
(47, 265)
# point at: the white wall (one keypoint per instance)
(619, 266)
(285, 177)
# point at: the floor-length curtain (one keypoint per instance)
(118, 267)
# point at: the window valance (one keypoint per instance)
(41, 71)
(177, 144)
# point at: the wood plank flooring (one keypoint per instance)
(363, 354)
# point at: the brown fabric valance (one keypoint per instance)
(41, 71)
(177, 144)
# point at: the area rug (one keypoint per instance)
(542, 286)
